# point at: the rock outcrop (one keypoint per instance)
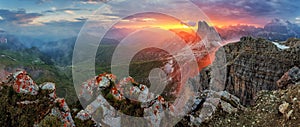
(27, 104)
(104, 98)
(208, 104)
(289, 78)
(280, 108)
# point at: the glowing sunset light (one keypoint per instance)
(174, 26)
(163, 25)
(185, 26)
(154, 20)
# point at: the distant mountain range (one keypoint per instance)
(277, 29)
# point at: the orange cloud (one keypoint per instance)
(146, 20)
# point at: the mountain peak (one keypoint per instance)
(202, 25)
(208, 32)
(278, 21)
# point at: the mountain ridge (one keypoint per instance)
(275, 30)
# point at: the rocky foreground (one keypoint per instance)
(262, 88)
(272, 109)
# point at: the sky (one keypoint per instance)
(58, 19)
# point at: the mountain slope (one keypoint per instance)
(39, 66)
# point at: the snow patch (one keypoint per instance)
(280, 46)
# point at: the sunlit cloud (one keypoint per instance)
(70, 12)
(53, 8)
(149, 19)
(297, 20)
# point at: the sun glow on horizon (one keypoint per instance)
(232, 23)
(154, 20)
(175, 26)
(163, 25)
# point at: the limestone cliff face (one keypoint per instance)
(254, 65)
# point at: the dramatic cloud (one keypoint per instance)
(40, 26)
(18, 17)
(55, 10)
(50, 31)
(255, 11)
(253, 7)
(50, 17)
(64, 23)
